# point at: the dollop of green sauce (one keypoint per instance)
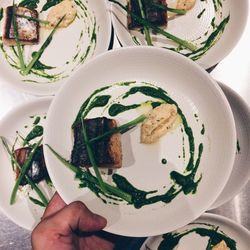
(34, 133)
(117, 108)
(32, 4)
(164, 161)
(171, 240)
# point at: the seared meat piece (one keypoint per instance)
(107, 151)
(153, 14)
(37, 171)
(28, 31)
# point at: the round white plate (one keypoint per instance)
(23, 212)
(87, 36)
(190, 241)
(201, 101)
(191, 28)
(241, 170)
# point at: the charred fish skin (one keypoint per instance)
(153, 14)
(28, 31)
(107, 150)
(37, 171)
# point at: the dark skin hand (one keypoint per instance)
(68, 227)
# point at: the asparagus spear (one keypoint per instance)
(111, 189)
(16, 36)
(120, 129)
(146, 30)
(92, 158)
(33, 19)
(41, 50)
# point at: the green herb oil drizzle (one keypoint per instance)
(201, 13)
(32, 4)
(182, 183)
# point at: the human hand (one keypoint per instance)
(68, 227)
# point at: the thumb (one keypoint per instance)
(76, 216)
(56, 204)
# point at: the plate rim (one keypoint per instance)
(235, 96)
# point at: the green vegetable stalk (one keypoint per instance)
(146, 30)
(111, 189)
(16, 36)
(120, 129)
(41, 50)
(30, 18)
(92, 158)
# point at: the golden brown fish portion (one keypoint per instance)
(28, 31)
(107, 151)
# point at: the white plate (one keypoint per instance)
(241, 171)
(201, 101)
(192, 241)
(70, 48)
(23, 212)
(191, 28)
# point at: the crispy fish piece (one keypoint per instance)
(158, 122)
(107, 151)
(154, 15)
(28, 31)
(37, 170)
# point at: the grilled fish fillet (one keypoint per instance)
(154, 15)
(37, 170)
(28, 31)
(107, 151)
(158, 122)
